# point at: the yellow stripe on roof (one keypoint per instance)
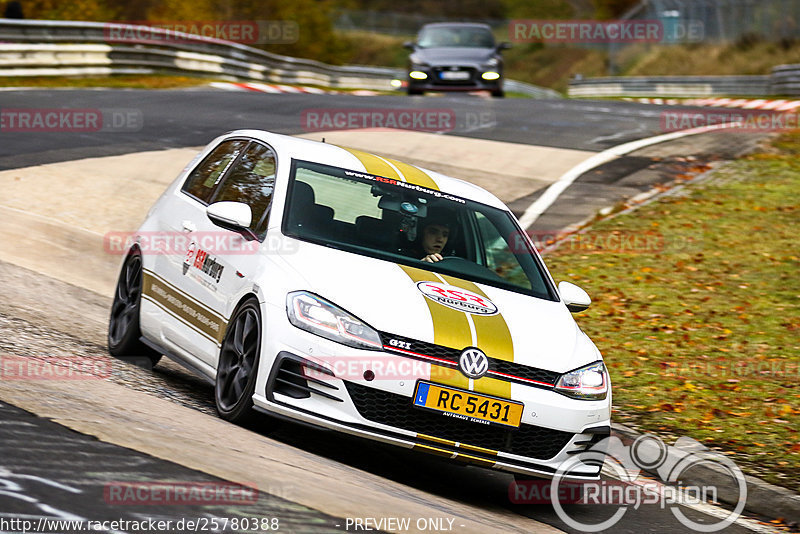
(374, 164)
(391, 168)
(414, 175)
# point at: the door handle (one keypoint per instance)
(189, 226)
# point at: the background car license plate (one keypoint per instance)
(455, 75)
(467, 405)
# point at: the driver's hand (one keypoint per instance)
(433, 258)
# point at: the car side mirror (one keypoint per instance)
(234, 216)
(409, 45)
(574, 297)
(503, 46)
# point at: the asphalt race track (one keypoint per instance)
(49, 469)
(192, 118)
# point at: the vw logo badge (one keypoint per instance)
(473, 363)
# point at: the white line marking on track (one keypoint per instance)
(551, 194)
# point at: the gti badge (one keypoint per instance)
(473, 363)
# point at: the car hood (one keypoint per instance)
(454, 56)
(391, 298)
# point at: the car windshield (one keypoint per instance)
(403, 223)
(455, 36)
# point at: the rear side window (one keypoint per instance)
(251, 181)
(204, 178)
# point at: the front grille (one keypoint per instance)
(452, 356)
(396, 410)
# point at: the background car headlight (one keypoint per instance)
(588, 383)
(318, 316)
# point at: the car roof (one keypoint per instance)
(457, 25)
(343, 157)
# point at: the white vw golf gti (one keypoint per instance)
(365, 295)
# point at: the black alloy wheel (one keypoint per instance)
(238, 364)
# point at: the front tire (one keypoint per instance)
(124, 333)
(238, 364)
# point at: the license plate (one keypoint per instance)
(455, 75)
(467, 405)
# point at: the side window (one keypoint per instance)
(251, 181)
(500, 258)
(204, 178)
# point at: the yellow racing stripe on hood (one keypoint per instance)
(493, 338)
(493, 335)
(450, 329)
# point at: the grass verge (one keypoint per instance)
(697, 310)
(116, 82)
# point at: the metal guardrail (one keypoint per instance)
(50, 48)
(785, 80)
(190, 53)
(671, 86)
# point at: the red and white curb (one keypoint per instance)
(257, 87)
(742, 103)
(265, 87)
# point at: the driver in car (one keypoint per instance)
(431, 242)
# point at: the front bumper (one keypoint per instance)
(554, 427)
(436, 82)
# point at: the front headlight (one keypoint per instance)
(492, 62)
(587, 383)
(318, 316)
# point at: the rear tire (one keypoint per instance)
(124, 333)
(237, 368)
